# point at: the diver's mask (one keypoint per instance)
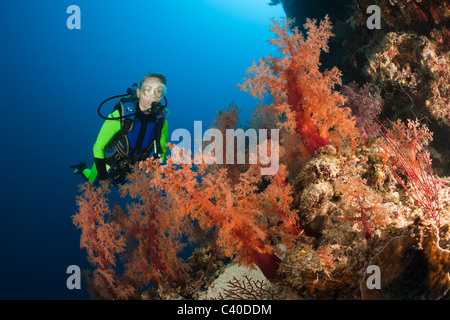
(153, 89)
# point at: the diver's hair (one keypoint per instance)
(154, 75)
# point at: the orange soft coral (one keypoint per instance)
(247, 220)
(147, 238)
(361, 203)
(303, 96)
(103, 241)
(228, 118)
(154, 235)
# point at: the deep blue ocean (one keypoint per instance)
(52, 81)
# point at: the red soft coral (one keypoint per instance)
(361, 203)
(247, 220)
(147, 239)
(226, 119)
(103, 241)
(303, 96)
(154, 235)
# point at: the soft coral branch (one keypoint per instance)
(102, 241)
(293, 79)
(239, 213)
(365, 104)
(154, 234)
(147, 238)
(363, 218)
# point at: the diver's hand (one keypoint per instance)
(104, 184)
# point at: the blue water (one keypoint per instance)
(52, 80)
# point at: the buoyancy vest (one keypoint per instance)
(136, 139)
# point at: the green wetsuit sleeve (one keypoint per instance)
(163, 140)
(107, 131)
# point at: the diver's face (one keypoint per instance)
(152, 90)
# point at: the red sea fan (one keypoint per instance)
(248, 289)
(404, 146)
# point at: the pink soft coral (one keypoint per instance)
(365, 105)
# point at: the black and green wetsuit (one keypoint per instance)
(140, 138)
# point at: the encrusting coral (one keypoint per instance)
(416, 15)
(331, 194)
(410, 65)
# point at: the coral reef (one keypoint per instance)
(352, 191)
(405, 147)
(408, 62)
(246, 219)
(412, 68)
(244, 222)
(147, 237)
(415, 15)
(328, 259)
(331, 193)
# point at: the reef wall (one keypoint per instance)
(406, 59)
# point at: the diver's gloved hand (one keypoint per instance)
(79, 168)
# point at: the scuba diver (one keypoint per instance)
(136, 128)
